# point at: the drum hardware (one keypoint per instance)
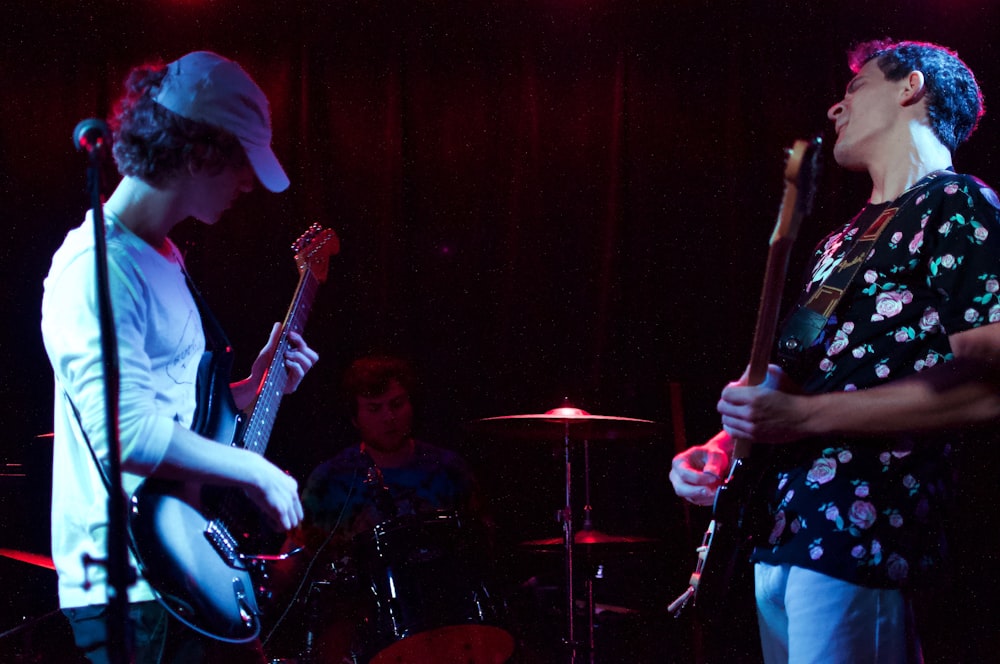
(35, 559)
(579, 424)
(573, 424)
(591, 538)
(425, 598)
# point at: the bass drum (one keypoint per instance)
(429, 603)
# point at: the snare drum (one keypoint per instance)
(429, 602)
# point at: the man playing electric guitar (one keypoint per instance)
(190, 137)
(908, 355)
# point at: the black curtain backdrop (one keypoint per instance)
(537, 200)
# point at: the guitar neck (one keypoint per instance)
(258, 427)
(768, 311)
(800, 172)
(767, 323)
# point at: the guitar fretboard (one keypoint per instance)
(261, 422)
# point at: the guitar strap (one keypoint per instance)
(215, 337)
(101, 470)
(803, 328)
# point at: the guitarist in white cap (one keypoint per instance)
(190, 138)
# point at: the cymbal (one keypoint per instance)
(35, 559)
(595, 537)
(574, 422)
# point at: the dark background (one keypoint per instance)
(537, 200)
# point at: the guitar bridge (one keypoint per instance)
(223, 542)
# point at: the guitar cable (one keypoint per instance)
(308, 571)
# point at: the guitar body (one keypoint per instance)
(192, 561)
(198, 575)
(736, 516)
(191, 540)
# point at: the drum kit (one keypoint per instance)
(427, 602)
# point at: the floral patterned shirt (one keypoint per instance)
(869, 511)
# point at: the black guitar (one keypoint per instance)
(727, 537)
(185, 535)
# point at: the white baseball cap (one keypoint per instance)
(206, 87)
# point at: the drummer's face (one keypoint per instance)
(385, 421)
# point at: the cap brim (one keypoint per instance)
(268, 169)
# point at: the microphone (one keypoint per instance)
(90, 135)
(376, 485)
(380, 492)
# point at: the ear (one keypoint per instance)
(914, 88)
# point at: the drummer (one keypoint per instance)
(388, 473)
(386, 477)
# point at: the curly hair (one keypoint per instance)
(954, 101)
(370, 377)
(155, 144)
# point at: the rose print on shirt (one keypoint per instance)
(832, 513)
(838, 344)
(991, 294)
(862, 515)
(891, 304)
(778, 529)
(930, 321)
(932, 358)
(896, 567)
(823, 470)
(945, 262)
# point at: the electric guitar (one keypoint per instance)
(727, 536)
(188, 537)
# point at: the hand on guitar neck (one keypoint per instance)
(766, 413)
(298, 360)
(769, 412)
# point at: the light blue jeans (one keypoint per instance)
(810, 618)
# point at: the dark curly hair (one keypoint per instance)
(370, 377)
(155, 144)
(954, 102)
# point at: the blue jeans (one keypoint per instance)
(806, 617)
(158, 638)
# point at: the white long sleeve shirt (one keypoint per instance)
(160, 343)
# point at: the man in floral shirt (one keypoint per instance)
(861, 436)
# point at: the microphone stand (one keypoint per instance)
(90, 135)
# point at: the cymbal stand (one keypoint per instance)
(566, 517)
(569, 537)
(588, 524)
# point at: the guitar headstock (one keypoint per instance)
(313, 250)
(801, 170)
